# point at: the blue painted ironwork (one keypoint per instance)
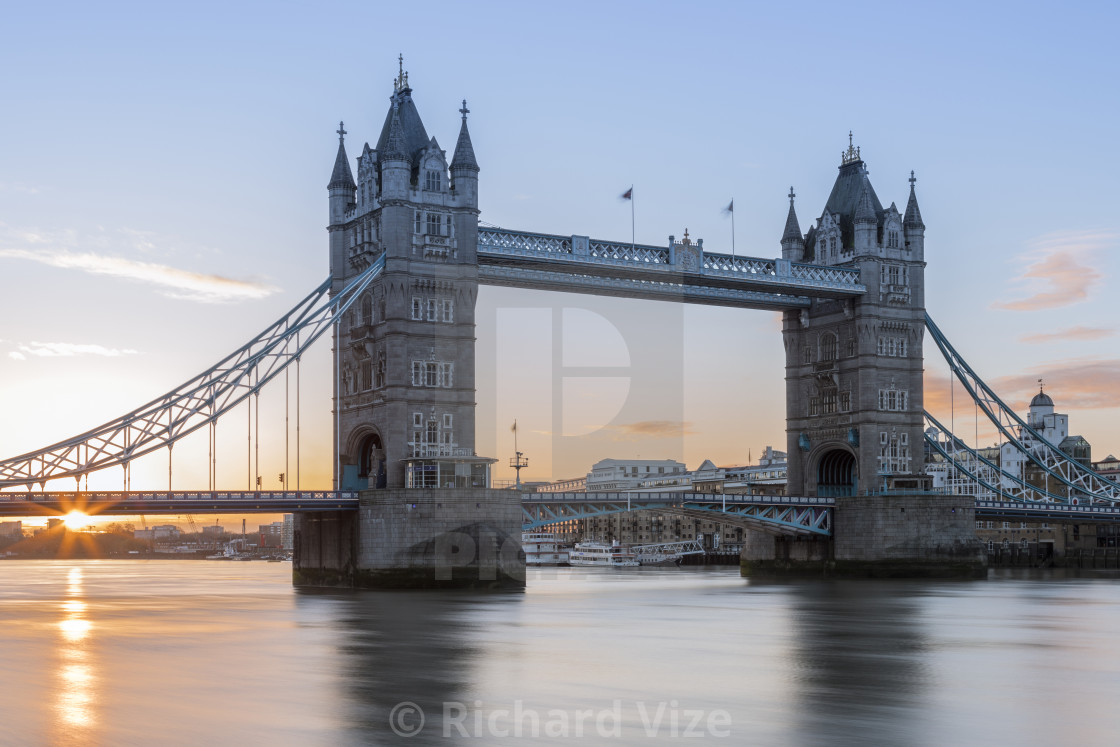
(122, 503)
(199, 401)
(969, 466)
(583, 265)
(774, 514)
(1052, 461)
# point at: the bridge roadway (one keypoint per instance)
(774, 514)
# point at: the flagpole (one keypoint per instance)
(631, 217)
(733, 227)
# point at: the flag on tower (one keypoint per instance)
(628, 194)
(730, 207)
(514, 428)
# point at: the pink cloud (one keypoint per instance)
(1057, 274)
(1073, 333)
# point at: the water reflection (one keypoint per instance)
(73, 697)
(402, 648)
(860, 661)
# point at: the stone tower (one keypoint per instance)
(854, 367)
(404, 352)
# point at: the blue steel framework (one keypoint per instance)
(778, 514)
(1084, 484)
(196, 403)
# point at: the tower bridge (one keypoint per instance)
(411, 503)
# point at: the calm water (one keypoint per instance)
(194, 652)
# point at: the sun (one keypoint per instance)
(75, 520)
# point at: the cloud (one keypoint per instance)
(17, 187)
(1055, 271)
(651, 429)
(58, 250)
(66, 350)
(1073, 333)
(1078, 384)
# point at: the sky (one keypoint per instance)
(163, 199)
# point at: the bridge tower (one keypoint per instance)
(404, 376)
(854, 367)
(404, 363)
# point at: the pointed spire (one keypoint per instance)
(793, 229)
(342, 176)
(865, 210)
(395, 147)
(464, 150)
(913, 217)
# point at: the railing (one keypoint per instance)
(590, 252)
(202, 496)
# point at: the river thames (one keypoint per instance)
(191, 652)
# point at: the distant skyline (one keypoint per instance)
(163, 199)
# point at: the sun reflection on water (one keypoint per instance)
(74, 693)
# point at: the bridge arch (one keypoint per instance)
(837, 473)
(369, 461)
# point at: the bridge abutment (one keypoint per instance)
(922, 535)
(419, 539)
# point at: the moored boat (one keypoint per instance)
(599, 554)
(543, 548)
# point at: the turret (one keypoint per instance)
(793, 243)
(396, 165)
(865, 223)
(914, 231)
(341, 188)
(464, 167)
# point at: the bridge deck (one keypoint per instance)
(578, 264)
(191, 502)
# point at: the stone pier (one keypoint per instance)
(879, 536)
(414, 538)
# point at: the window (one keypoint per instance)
(364, 375)
(851, 347)
(432, 307)
(845, 401)
(416, 225)
(417, 308)
(893, 400)
(435, 223)
(814, 405)
(366, 314)
(807, 355)
(828, 347)
(448, 311)
(447, 420)
(417, 419)
(432, 182)
(433, 374)
(379, 371)
(828, 402)
(892, 347)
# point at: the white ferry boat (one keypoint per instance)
(599, 554)
(543, 548)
